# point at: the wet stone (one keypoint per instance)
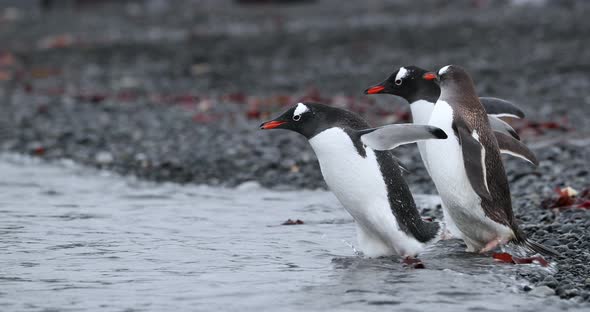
(542, 291)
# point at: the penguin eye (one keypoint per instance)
(398, 82)
(296, 117)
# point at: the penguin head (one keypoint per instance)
(309, 119)
(300, 118)
(449, 75)
(407, 82)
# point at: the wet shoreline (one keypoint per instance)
(189, 246)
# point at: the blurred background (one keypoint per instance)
(174, 90)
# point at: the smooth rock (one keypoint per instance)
(542, 291)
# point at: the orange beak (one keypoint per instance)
(271, 124)
(429, 76)
(374, 90)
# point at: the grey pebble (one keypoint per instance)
(542, 291)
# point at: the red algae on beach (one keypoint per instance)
(508, 258)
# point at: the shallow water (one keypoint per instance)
(76, 239)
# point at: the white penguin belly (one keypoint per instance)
(421, 112)
(358, 184)
(460, 201)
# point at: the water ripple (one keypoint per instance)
(73, 240)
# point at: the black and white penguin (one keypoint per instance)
(367, 183)
(467, 167)
(408, 82)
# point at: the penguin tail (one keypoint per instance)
(522, 240)
(541, 249)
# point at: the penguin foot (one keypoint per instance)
(491, 245)
(414, 263)
(446, 234)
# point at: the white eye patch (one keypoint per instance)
(443, 70)
(402, 73)
(300, 109)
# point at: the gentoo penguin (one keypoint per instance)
(408, 83)
(367, 183)
(467, 167)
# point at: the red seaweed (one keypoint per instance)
(567, 198)
(508, 258)
(38, 151)
(503, 257)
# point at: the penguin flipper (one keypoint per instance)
(500, 108)
(500, 125)
(509, 145)
(473, 158)
(391, 136)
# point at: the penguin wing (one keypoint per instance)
(391, 136)
(501, 108)
(473, 157)
(500, 125)
(509, 145)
